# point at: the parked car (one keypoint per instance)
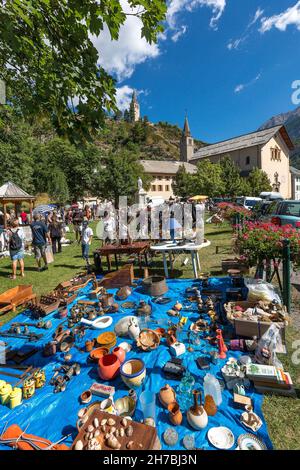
(260, 209)
(248, 202)
(283, 213)
(271, 196)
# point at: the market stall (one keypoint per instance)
(169, 367)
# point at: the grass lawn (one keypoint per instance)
(282, 414)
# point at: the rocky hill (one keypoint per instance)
(159, 141)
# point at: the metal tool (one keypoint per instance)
(40, 324)
(32, 337)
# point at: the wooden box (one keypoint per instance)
(143, 437)
(234, 263)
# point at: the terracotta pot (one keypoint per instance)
(97, 353)
(86, 396)
(161, 332)
(210, 406)
(175, 415)
(108, 367)
(167, 395)
(120, 353)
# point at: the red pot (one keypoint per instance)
(108, 366)
(120, 353)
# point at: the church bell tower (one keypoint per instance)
(186, 143)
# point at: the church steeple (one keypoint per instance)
(186, 143)
(134, 109)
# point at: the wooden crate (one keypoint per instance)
(142, 434)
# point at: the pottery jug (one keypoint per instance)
(167, 395)
(196, 415)
(175, 415)
(133, 329)
(143, 309)
(108, 366)
(120, 353)
(210, 406)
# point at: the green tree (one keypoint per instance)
(208, 180)
(119, 176)
(258, 182)
(57, 187)
(16, 147)
(234, 183)
(182, 183)
(50, 64)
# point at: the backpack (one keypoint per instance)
(15, 243)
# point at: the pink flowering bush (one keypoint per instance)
(231, 210)
(260, 241)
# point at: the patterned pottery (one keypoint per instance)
(133, 373)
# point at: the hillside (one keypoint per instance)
(291, 120)
(159, 141)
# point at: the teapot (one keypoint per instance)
(196, 415)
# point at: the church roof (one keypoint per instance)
(166, 167)
(10, 191)
(244, 141)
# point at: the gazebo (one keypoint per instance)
(11, 193)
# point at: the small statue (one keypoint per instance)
(140, 183)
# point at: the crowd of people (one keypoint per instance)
(49, 229)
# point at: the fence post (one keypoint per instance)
(286, 272)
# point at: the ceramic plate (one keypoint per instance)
(221, 437)
(250, 442)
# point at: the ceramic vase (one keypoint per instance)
(120, 353)
(5, 392)
(108, 366)
(167, 395)
(175, 415)
(15, 398)
(196, 415)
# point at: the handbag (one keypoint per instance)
(49, 254)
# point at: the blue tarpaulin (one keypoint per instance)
(52, 415)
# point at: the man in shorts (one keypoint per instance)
(40, 236)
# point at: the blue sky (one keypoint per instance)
(229, 63)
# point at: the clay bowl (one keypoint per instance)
(133, 373)
(148, 340)
(125, 406)
(108, 367)
(107, 339)
(97, 353)
(86, 396)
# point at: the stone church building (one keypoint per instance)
(268, 150)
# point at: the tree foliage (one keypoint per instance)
(182, 183)
(49, 61)
(119, 176)
(235, 185)
(208, 180)
(258, 182)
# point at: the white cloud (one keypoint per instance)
(121, 57)
(234, 44)
(179, 33)
(241, 87)
(258, 14)
(177, 6)
(291, 16)
(123, 97)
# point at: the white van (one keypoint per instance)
(271, 196)
(249, 201)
